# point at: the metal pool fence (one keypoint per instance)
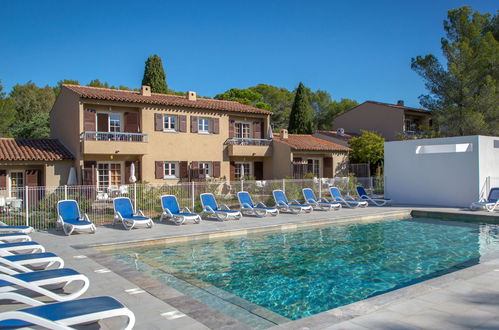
(36, 206)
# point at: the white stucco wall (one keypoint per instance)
(431, 172)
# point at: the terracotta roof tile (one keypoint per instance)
(33, 149)
(161, 99)
(310, 143)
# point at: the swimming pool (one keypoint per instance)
(300, 273)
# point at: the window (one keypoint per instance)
(313, 166)
(204, 125)
(169, 123)
(242, 170)
(108, 174)
(171, 170)
(114, 122)
(243, 130)
(16, 184)
(205, 169)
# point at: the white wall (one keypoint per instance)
(418, 174)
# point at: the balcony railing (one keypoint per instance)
(247, 142)
(114, 136)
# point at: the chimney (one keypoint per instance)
(400, 102)
(340, 131)
(284, 134)
(145, 90)
(191, 96)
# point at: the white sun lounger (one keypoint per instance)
(249, 207)
(4, 228)
(25, 263)
(14, 237)
(372, 199)
(173, 212)
(8, 249)
(211, 208)
(490, 204)
(347, 201)
(39, 281)
(281, 202)
(319, 204)
(124, 213)
(70, 219)
(64, 315)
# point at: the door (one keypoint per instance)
(109, 176)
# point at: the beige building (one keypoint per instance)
(388, 120)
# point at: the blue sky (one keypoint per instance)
(352, 49)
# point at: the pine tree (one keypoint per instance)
(300, 119)
(154, 75)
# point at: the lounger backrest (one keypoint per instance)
(280, 196)
(170, 202)
(68, 210)
(493, 195)
(124, 206)
(361, 191)
(208, 199)
(245, 198)
(309, 194)
(335, 193)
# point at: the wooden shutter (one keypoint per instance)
(89, 120)
(257, 130)
(3, 179)
(89, 173)
(216, 169)
(131, 122)
(194, 124)
(159, 171)
(32, 178)
(328, 167)
(158, 122)
(231, 128)
(232, 171)
(216, 126)
(258, 170)
(195, 170)
(138, 170)
(102, 122)
(183, 169)
(182, 124)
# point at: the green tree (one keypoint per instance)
(154, 75)
(464, 94)
(244, 96)
(325, 114)
(7, 112)
(30, 99)
(57, 89)
(280, 101)
(300, 119)
(37, 127)
(98, 83)
(367, 148)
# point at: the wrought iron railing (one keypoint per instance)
(114, 136)
(248, 142)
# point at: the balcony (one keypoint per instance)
(249, 147)
(114, 143)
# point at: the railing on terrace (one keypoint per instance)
(36, 206)
(114, 136)
(247, 142)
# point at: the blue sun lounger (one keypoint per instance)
(70, 219)
(259, 209)
(173, 212)
(8, 249)
(124, 213)
(211, 208)
(4, 228)
(63, 315)
(372, 199)
(319, 204)
(348, 201)
(12, 287)
(25, 263)
(490, 204)
(14, 237)
(293, 206)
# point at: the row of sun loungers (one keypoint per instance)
(31, 276)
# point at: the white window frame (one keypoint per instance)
(23, 173)
(250, 129)
(313, 159)
(206, 166)
(175, 167)
(122, 174)
(203, 119)
(175, 126)
(250, 166)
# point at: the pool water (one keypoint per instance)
(304, 272)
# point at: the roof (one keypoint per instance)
(400, 107)
(309, 143)
(33, 149)
(334, 134)
(108, 94)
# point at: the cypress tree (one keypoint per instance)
(154, 75)
(300, 119)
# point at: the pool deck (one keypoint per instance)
(466, 299)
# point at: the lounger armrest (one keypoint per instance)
(118, 215)
(208, 209)
(323, 200)
(185, 209)
(168, 212)
(224, 206)
(281, 203)
(140, 213)
(261, 204)
(59, 219)
(294, 201)
(245, 205)
(349, 198)
(85, 217)
(311, 201)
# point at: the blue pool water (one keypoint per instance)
(300, 273)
